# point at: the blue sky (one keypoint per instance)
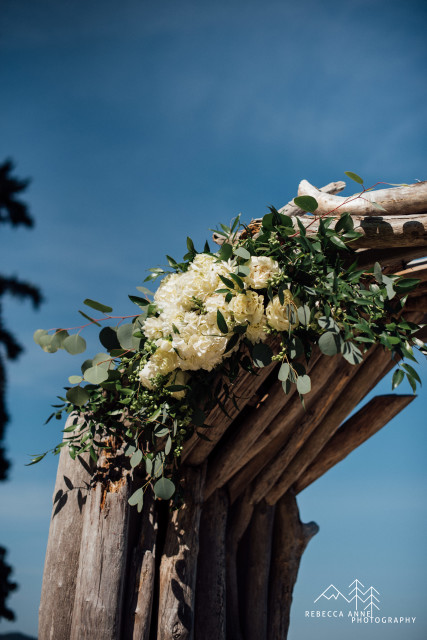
(141, 123)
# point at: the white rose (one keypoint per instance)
(247, 307)
(262, 269)
(147, 373)
(280, 316)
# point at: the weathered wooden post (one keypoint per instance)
(223, 566)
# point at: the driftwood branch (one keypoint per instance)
(367, 421)
(408, 200)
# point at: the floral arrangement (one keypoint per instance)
(211, 317)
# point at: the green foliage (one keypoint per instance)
(327, 300)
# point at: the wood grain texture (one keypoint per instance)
(63, 548)
(260, 534)
(354, 432)
(240, 516)
(246, 440)
(178, 567)
(141, 575)
(290, 539)
(366, 376)
(98, 605)
(210, 606)
(408, 200)
(197, 450)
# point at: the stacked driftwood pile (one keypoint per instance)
(224, 565)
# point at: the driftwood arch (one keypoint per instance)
(223, 567)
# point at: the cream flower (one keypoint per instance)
(247, 307)
(262, 269)
(282, 317)
(256, 332)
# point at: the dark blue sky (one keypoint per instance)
(144, 122)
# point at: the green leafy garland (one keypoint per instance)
(315, 295)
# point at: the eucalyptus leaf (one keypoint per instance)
(38, 334)
(330, 343)
(261, 354)
(98, 306)
(354, 176)
(74, 344)
(164, 488)
(96, 374)
(136, 458)
(303, 384)
(284, 372)
(77, 396)
(137, 499)
(241, 252)
(75, 379)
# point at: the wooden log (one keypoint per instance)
(141, 574)
(210, 606)
(290, 539)
(98, 603)
(197, 450)
(364, 424)
(239, 519)
(179, 562)
(279, 430)
(290, 209)
(391, 260)
(63, 548)
(416, 304)
(258, 572)
(325, 395)
(241, 447)
(411, 199)
(383, 232)
(367, 376)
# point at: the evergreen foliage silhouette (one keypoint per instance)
(14, 212)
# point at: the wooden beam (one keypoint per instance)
(411, 199)
(356, 430)
(279, 430)
(290, 538)
(63, 548)
(141, 575)
(333, 390)
(391, 260)
(257, 576)
(242, 446)
(175, 617)
(367, 376)
(210, 605)
(197, 450)
(98, 604)
(240, 516)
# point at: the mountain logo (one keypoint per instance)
(362, 600)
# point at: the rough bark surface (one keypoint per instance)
(290, 539)
(141, 575)
(98, 604)
(63, 549)
(367, 421)
(210, 608)
(179, 563)
(258, 572)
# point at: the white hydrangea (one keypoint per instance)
(186, 331)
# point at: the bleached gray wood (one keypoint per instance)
(98, 605)
(408, 200)
(210, 607)
(141, 575)
(63, 548)
(175, 617)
